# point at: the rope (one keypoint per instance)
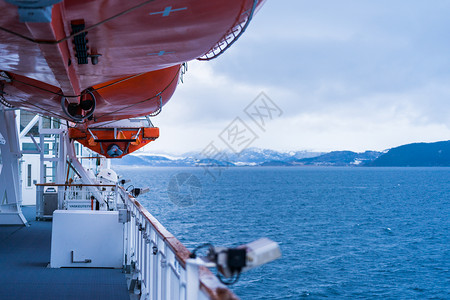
(4, 102)
(38, 107)
(76, 96)
(140, 102)
(66, 96)
(184, 69)
(158, 111)
(2, 97)
(44, 42)
(87, 91)
(116, 82)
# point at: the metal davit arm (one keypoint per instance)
(72, 157)
(10, 193)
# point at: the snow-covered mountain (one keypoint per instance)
(252, 156)
(248, 157)
(417, 154)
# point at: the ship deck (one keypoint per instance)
(24, 257)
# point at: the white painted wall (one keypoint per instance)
(29, 191)
(93, 235)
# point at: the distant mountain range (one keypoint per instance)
(340, 158)
(418, 154)
(247, 157)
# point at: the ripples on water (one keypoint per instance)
(343, 232)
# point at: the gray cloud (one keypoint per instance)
(348, 74)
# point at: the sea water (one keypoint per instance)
(344, 233)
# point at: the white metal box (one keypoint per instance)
(84, 238)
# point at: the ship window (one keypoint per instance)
(29, 146)
(46, 123)
(32, 146)
(29, 175)
(25, 118)
(55, 123)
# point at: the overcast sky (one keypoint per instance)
(347, 75)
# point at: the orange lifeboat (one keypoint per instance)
(95, 62)
(114, 142)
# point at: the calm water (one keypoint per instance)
(343, 232)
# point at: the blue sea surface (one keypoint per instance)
(344, 233)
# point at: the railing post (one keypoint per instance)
(154, 273)
(116, 196)
(62, 197)
(128, 243)
(192, 278)
(39, 200)
(146, 271)
(164, 271)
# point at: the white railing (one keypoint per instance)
(51, 196)
(158, 264)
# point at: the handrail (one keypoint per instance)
(181, 252)
(73, 196)
(209, 283)
(75, 184)
(233, 34)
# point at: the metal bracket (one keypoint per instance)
(123, 216)
(86, 261)
(39, 11)
(163, 263)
